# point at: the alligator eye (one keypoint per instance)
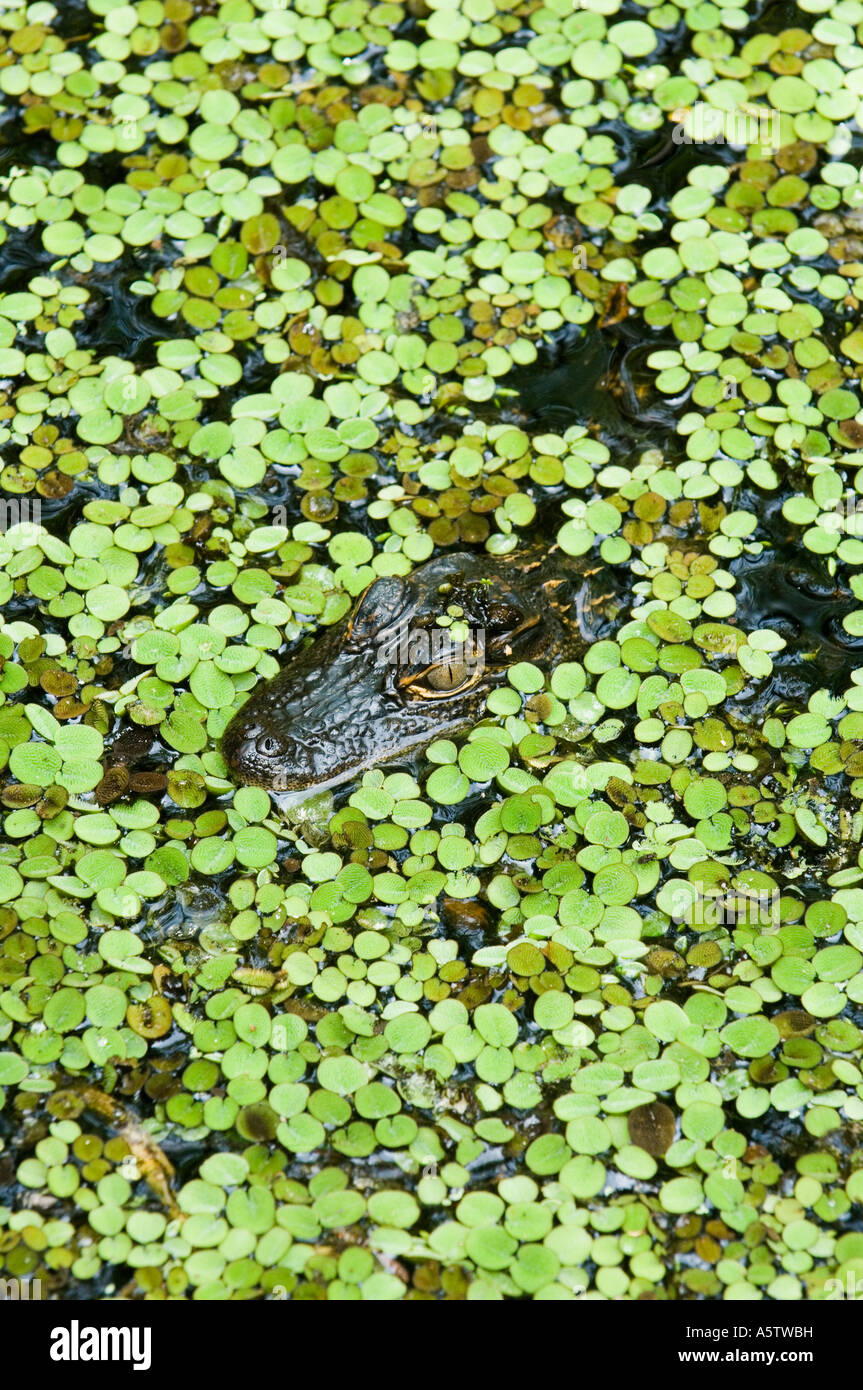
(447, 678)
(268, 746)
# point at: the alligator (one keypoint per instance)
(414, 662)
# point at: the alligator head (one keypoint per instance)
(414, 662)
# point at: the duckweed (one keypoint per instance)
(296, 297)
